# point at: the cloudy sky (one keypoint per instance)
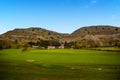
(58, 15)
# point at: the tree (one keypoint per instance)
(69, 44)
(43, 43)
(54, 43)
(16, 41)
(1, 44)
(118, 44)
(77, 45)
(5, 44)
(25, 47)
(31, 43)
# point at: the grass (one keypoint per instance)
(59, 64)
(113, 49)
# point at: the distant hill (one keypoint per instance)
(98, 35)
(33, 34)
(96, 30)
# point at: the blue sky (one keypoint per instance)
(58, 15)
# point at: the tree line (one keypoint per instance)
(6, 44)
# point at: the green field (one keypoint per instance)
(66, 64)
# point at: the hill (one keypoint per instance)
(33, 34)
(97, 35)
(96, 30)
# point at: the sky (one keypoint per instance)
(63, 16)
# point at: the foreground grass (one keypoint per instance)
(66, 64)
(112, 49)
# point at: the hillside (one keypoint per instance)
(85, 36)
(33, 34)
(96, 30)
(97, 35)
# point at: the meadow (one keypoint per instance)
(59, 64)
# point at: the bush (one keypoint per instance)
(118, 44)
(25, 47)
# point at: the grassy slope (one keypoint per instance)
(59, 65)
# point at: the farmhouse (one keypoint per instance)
(51, 47)
(61, 47)
(35, 46)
